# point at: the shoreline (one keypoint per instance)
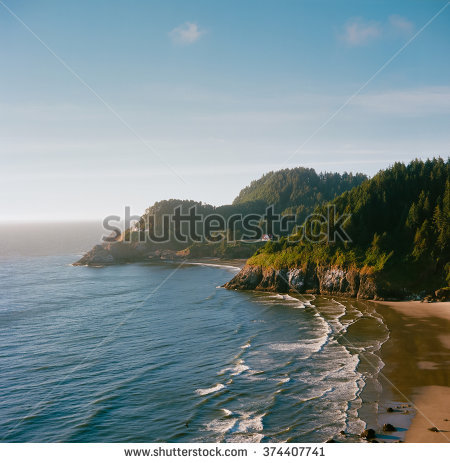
(237, 264)
(416, 375)
(419, 309)
(415, 378)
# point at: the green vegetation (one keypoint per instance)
(298, 191)
(223, 250)
(399, 225)
(291, 191)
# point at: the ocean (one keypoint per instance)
(162, 353)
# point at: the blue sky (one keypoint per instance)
(221, 91)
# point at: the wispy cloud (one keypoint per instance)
(427, 101)
(401, 24)
(186, 34)
(357, 31)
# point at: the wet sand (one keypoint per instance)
(419, 309)
(416, 376)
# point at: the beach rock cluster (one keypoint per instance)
(368, 434)
(388, 427)
(441, 295)
(309, 279)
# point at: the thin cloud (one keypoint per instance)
(359, 32)
(401, 24)
(419, 102)
(186, 34)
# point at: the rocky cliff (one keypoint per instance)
(352, 282)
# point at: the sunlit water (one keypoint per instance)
(159, 353)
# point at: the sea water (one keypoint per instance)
(162, 353)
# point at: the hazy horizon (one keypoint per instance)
(121, 212)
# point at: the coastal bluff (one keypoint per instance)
(315, 279)
(120, 253)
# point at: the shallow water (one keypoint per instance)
(159, 353)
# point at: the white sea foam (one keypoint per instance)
(248, 423)
(338, 379)
(284, 297)
(238, 426)
(314, 393)
(204, 264)
(238, 368)
(253, 438)
(221, 426)
(303, 346)
(284, 379)
(210, 390)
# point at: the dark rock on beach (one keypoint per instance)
(443, 294)
(368, 434)
(389, 427)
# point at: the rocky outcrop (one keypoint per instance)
(442, 295)
(113, 253)
(352, 282)
(120, 252)
(388, 427)
(368, 434)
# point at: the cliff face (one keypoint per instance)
(338, 281)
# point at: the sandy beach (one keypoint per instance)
(219, 261)
(416, 376)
